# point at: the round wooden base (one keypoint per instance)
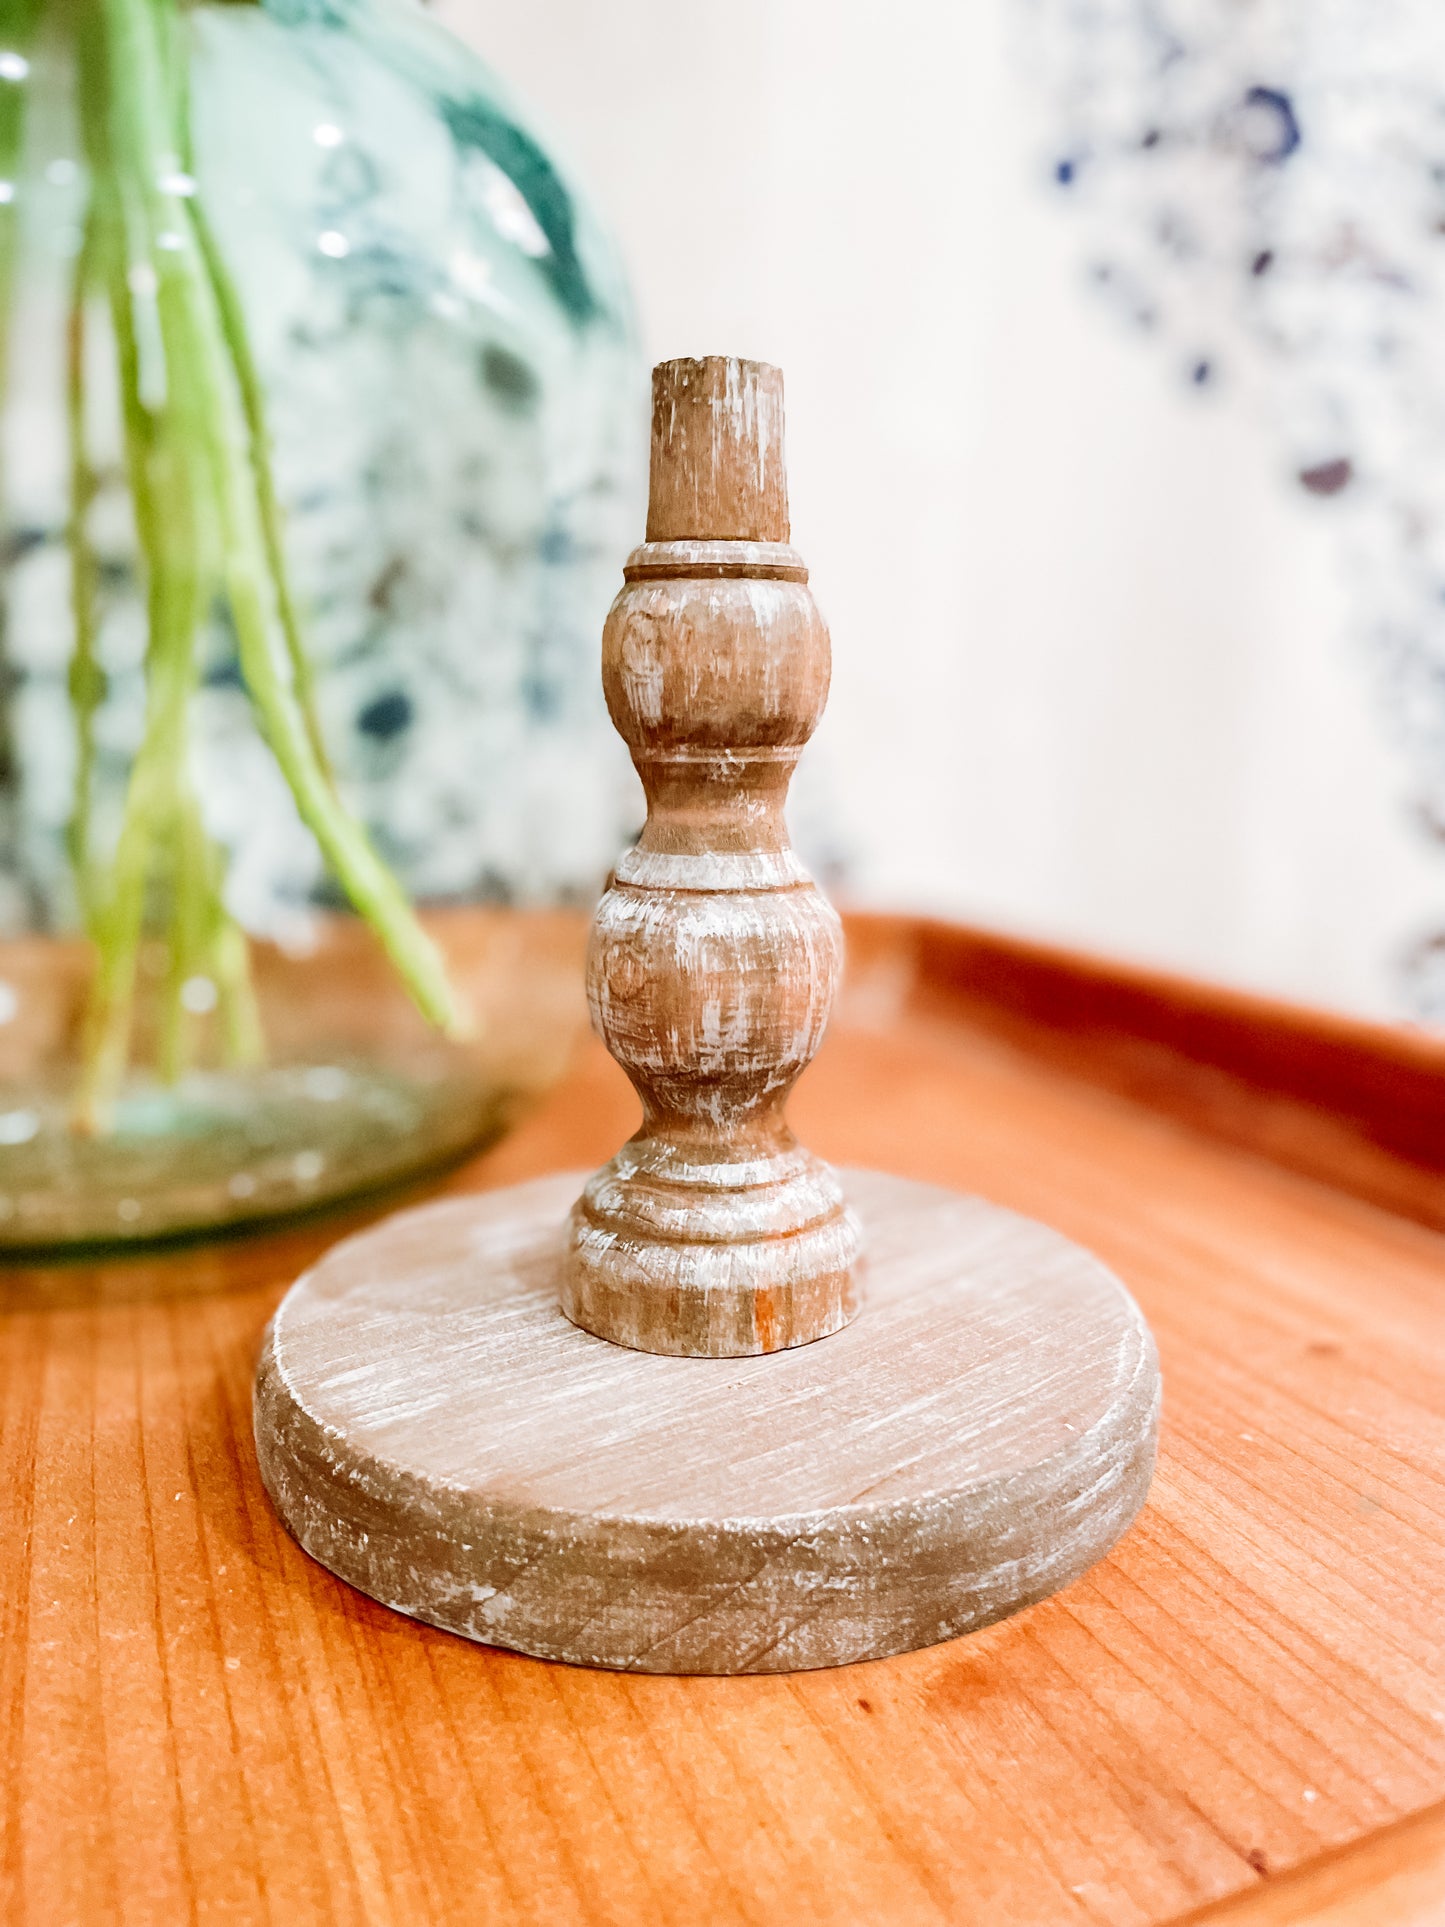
(433, 1429)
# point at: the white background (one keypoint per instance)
(1092, 672)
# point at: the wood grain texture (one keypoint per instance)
(718, 469)
(713, 1233)
(434, 1431)
(199, 1723)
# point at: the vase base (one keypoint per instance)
(229, 1148)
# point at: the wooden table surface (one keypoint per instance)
(200, 1724)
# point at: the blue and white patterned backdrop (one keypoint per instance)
(1260, 191)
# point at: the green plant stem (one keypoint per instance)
(206, 515)
(187, 949)
(86, 680)
(20, 19)
(148, 806)
(165, 473)
(204, 942)
(168, 500)
(195, 340)
(248, 381)
(242, 1036)
(253, 402)
(237, 1008)
(17, 34)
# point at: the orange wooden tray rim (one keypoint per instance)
(1360, 1105)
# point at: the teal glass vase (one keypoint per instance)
(321, 425)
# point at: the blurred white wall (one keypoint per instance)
(1091, 677)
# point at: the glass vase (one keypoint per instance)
(320, 449)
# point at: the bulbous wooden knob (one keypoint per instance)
(714, 958)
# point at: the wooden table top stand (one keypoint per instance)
(791, 1418)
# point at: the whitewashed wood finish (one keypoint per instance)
(560, 1434)
(433, 1430)
(714, 958)
(719, 468)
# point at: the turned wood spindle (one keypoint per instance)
(714, 957)
(431, 1430)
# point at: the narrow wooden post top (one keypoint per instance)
(718, 464)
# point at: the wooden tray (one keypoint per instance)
(1243, 1709)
